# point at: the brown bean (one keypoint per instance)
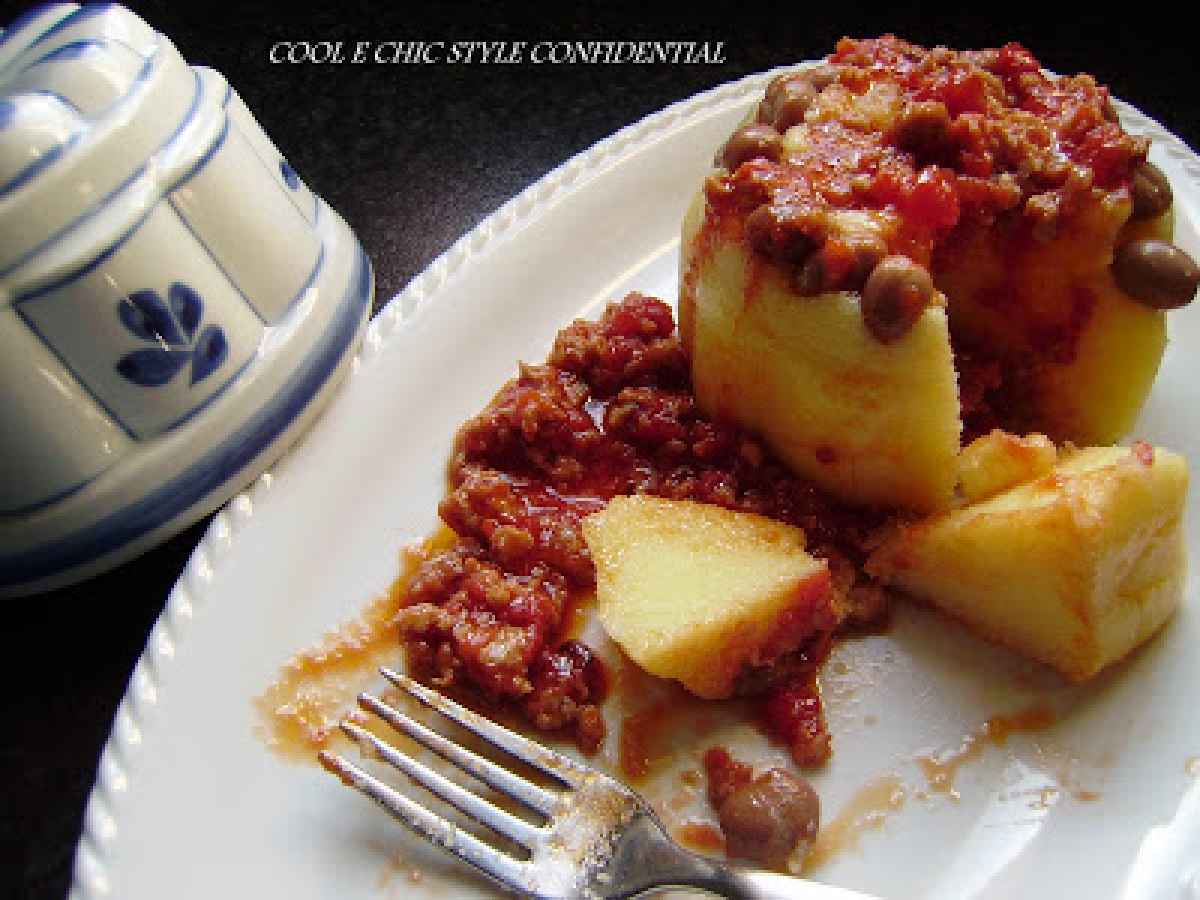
(822, 76)
(753, 141)
(813, 277)
(1156, 274)
(793, 102)
(775, 88)
(923, 129)
(894, 297)
(770, 818)
(867, 252)
(798, 89)
(1152, 194)
(841, 266)
(778, 234)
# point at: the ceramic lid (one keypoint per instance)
(87, 95)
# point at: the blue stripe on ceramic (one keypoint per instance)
(312, 277)
(108, 411)
(308, 282)
(35, 168)
(82, 14)
(290, 178)
(42, 92)
(120, 241)
(8, 112)
(203, 160)
(156, 366)
(73, 50)
(238, 450)
(25, 19)
(95, 208)
(52, 499)
(209, 154)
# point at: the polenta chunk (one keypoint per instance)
(700, 593)
(999, 460)
(1075, 568)
(868, 233)
(872, 423)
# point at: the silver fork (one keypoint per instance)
(599, 839)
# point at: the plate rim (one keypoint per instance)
(118, 761)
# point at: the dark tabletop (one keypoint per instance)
(413, 156)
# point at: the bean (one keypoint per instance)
(813, 277)
(793, 102)
(923, 129)
(1156, 274)
(790, 94)
(775, 88)
(769, 818)
(753, 141)
(1152, 194)
(841, 265)
(780, 236)
(822, 76)
(894, 297)
(867, 252)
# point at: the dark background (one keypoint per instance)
(414, 156)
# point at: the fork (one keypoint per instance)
(599, 840)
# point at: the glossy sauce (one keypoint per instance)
(701, 836)
(941, 769)
(610, 413)
(300, 711)
(866, 811)
(642, 740)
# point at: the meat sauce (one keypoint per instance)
(946, 136)
(611, 412)
(907, 151)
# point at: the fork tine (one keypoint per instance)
(549, 761)
(510, 872)
(498, 777)
(456, 795)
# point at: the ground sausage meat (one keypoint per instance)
(922, 139)
(610, 413)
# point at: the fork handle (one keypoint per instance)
(757, 884)
(653, 863)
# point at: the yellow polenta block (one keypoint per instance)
(699, 593)
(1075, 568)
(997, 461)
(1003, 291)
(873, 423)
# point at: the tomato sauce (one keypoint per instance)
(1012, 138)
(611, 412)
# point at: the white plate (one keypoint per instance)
(189, 803)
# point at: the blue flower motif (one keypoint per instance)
(171, 328)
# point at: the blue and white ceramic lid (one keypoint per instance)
(164, 276)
